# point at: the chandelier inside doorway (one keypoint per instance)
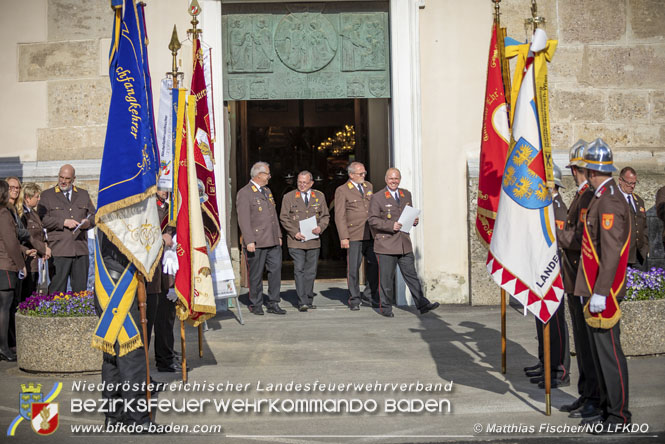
(344, 142)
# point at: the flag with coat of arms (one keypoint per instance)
(523, 257)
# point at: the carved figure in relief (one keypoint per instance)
(241, 47)
(263, 52)
(305, 42)
(363, 44)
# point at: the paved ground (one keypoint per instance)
(456, 346)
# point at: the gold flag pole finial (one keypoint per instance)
(174, 46)
(194, 11)
(535, 20)
(497, 12)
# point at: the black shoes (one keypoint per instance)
(556, 383)
(256, 309)
(7, 356)
(534, 367)
(579, 402)
(536, 379)
(354, 308)
(533, 373)
(429, 307)
(587, 410)
(387, 314)
(276, 309)
(171, 368)
(311, 306)
(303, 308)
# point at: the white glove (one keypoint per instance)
(597, 303)
(170, 260)
(171, 296)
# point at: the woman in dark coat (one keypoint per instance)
(38, 249)
(11, 264)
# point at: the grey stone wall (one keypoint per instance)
(607, 79)
(71, 63)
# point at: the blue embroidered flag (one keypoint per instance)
(127, 210)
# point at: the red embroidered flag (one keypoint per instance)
(494, 145)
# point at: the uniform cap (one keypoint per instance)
(557, 176)
(577, 153)
(598, 157)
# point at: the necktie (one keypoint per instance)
(360, 188)
(263, 191)
(397, 197)
(68, 195)
(631, 203)
(306, 199)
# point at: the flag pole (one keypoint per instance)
(504, 69)
(174, 46)
(194, 11)
(144, 327)
(535, 20)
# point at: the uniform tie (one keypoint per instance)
(631, 202)
(68, 196)
(263, 191)
(360, 188)
(397, 196)
(306, 199)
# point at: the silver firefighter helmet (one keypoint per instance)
(557, 176)
(576, 155)
(598, 157)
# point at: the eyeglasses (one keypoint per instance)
(14, 188)
(267, 174)
(630, 184)
(364, 173)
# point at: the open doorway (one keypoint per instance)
(321, 136)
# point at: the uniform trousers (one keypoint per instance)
(269, 258)
(304, 271)
(116, 370)
(612, 373)
(354, 256)
(387, 264)
(559, 346)
(587, 384)
(160, 314)
(66, 266)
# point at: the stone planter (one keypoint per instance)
(56, 345)
(642, 327)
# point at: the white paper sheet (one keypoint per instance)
(306, 227)
(407, 218)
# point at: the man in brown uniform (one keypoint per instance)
(261, 238)
(160, 309)
(298, 205)
(660, 208)
(393, 246)
(639, 236)
(559, 347)
(351, 212)
(601, 279)
(570, 240)
(67, 213)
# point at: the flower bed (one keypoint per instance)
(53, 333)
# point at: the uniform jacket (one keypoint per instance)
(33, 224)
(351, 211)
(160, 281)
(570, 237)
(257, 217)
(294, 210)
(639, 240)
(560, 215)
(608, 220)
(383, 213)
(660, 208)
(11, 258)
(54, 208)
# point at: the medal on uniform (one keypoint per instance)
(260, 209)
(389, 216)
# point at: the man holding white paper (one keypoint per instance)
(392, 243)
(304, 216)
